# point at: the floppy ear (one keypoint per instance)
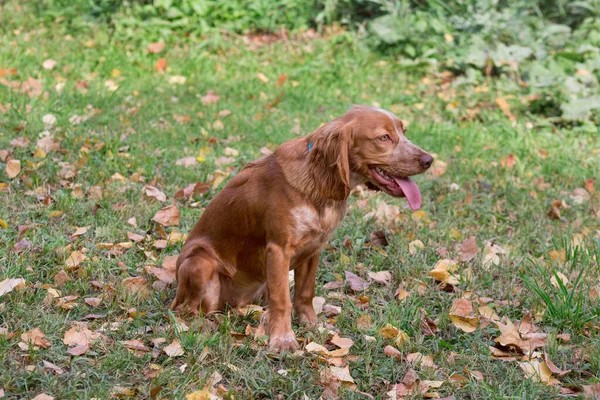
(343, 157)
(330, 157)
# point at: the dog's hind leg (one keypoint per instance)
(198, 286)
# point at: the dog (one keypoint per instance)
(278, 213)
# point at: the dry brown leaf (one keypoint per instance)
(78, 350)
(262, 77)
(355, 282)
(134, 237)
(505, 107)
(80, 335)
(75, 260)
(378, 238)
(161, 65)
(445, 271)
(463, 316)
(53, 367)
(553, 368)
(380, 277)
(468, 249)
(420, 359)
(187, 161)
(174, 349)
(364, 321)
(156, 47)
(491, 254)
(9, 284)
(43, 396)
(13, 168)
(92, 301)
(167, 216)
(391, 351)
(154, 192)
(509, 161)
(136, 286)
(210, 98)
(538, 371)
(428, 326)
(415, 246)
(164, 275)
(342, 343)
(36, 338)
(391, 332)
(318, 303)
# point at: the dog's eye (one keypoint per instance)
(384, 138)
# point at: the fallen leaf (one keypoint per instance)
(92, 301)
(553, 368)
(210, 98)
(391, 351)
(53, 367)
(174, 349)
(35, 337)
(364, 321)
(380, 277)
(134, 237)
(391, 332)
(463, 316)
(508, 162)
(163, 275)
(75, 260)
(314, 347)
(8, 285)
(415, 246)
(78, 349)
(43, 396)
(468, 249)
(355, 282)
(262, 77)
(420, 359)
(187, 161)
(538, 371)
(444, 271)
(491, 254)
(161, 65)
(505, 107)
(378, 238)
(136, 286)
(49, 64)
(167, 216)
(342, 343)
(317, 302)
(13, 168)
(156, 47)
(154, 192)
(80, 335)
(563, 279)
(428, 326)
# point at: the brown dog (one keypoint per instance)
(278, 213)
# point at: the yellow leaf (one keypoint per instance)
(13, 168)
(538, 371)
(3, 224)
(39, 153)
(443, 271)
(462, 315)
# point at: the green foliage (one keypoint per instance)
(567, 304)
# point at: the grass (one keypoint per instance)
(135, 130)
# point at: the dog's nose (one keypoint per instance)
(425, 160)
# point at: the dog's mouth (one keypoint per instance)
(397, 186)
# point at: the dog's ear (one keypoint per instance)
(330, 150)
(343, 155)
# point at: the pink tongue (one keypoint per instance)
(411, 191)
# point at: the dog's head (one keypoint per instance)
(369, 145)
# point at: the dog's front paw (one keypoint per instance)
(307, 316)
(284, 342)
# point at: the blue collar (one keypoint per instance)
(310, 145)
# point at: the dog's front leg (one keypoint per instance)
(280, 306)
(305, 276)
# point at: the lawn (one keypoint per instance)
(99, 134)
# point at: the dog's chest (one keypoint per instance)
(315, 226)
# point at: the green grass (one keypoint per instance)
(477, 196)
